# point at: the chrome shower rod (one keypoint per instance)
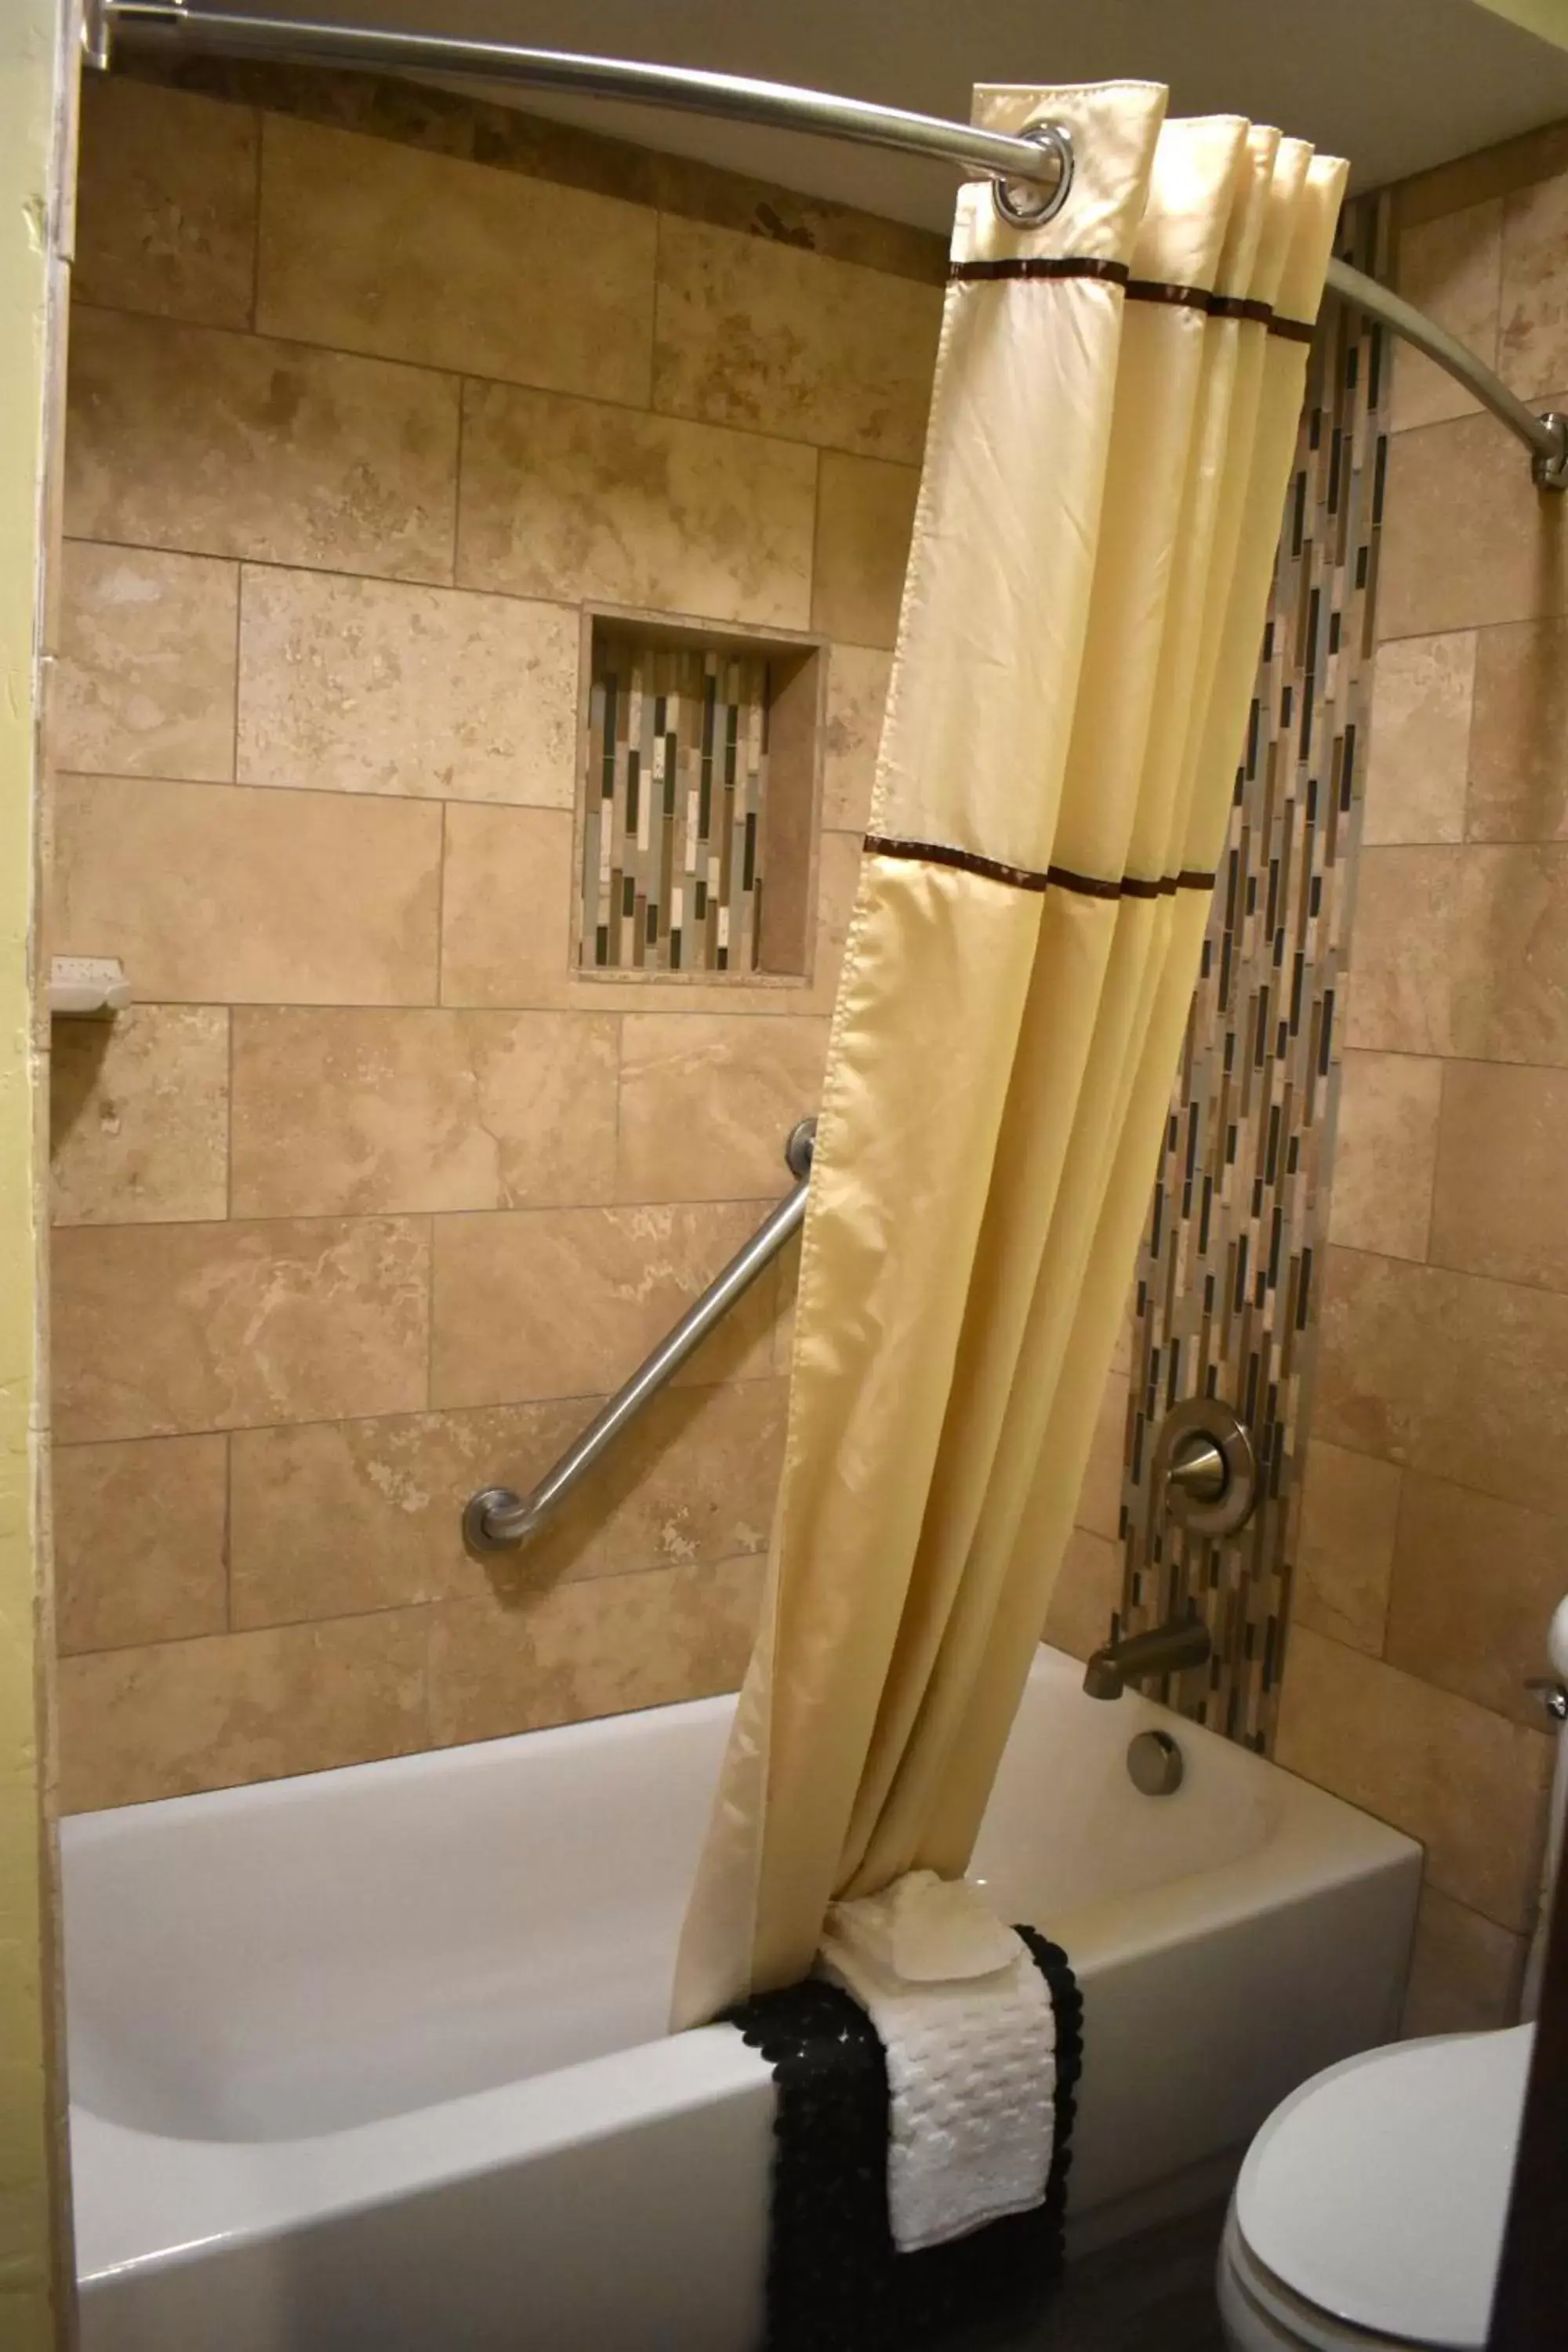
(1546, 438)
(775, 104)
(1034, 173)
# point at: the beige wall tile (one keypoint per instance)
(1467, 537)
(784, 340)
(1464, 1972)
(165, 202)
(1415, 910)
(372, 246)
(182, 1716)
(353, 1515)
(1462, 950)
(162, 1329)
(1385, 1152)
(341, 1113)
(232, 444)
(573, 1651)
(371, 686)
(567, 1302)
(1450, 267)
(1088, 1591)
(222, 894)
(1420, 737)
(1497, 1208)
(139, 1116)
(856, 696)
(707, 1103)
(506, 907)
(145, 681)
(570, 499)
(1518, 734)
(838, 857)
(1099, 1502)
(866, 512)
(1534, 347)
(333, 1518)
(1475, 1583)
(1488, 172)
(140, 1535)
(1446, 1373)
(1344, 1554)
(1471, 1787)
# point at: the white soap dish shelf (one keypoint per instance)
(79, 985)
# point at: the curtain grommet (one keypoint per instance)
(1029, 204)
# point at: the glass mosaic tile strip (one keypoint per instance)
(1224, 1301)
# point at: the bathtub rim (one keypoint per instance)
(230, 2192)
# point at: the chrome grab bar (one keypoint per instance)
(498, 1517)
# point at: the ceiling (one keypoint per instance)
(1396, 85)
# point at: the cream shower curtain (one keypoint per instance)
(1114, 411)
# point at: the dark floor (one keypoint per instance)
(1153, 2293)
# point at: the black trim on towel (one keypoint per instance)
(1136, 290)
(1027, 877)
(835, 2280)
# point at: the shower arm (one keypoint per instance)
(1031, 174)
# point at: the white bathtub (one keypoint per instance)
(375, 2058)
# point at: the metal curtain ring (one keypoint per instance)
(1026, 204)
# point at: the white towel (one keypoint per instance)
(966, 2019)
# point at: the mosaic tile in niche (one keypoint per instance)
(677, 749)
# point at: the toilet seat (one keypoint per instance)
(1370, 2208)
(1262, 2315)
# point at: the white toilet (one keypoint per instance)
(1370, 2209)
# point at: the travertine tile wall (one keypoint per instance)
(1435, 1538)
(373, 1195)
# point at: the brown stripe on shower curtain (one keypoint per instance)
(1136, 290)
(1024, 878)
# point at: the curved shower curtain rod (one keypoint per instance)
(1026, 193)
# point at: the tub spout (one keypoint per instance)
(1161, 1651)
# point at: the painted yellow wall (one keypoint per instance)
(1547, 17)
(30, 75)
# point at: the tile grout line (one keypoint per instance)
(460, 376)
(1456, 1273)
(830, 213)
(587, 1403)
(766, 633)
(1443, 1692)
(423, 1607)
(768, 630)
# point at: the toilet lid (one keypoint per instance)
(1378, 2192)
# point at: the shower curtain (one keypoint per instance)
(1112, 420)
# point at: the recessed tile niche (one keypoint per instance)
(697, 799)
